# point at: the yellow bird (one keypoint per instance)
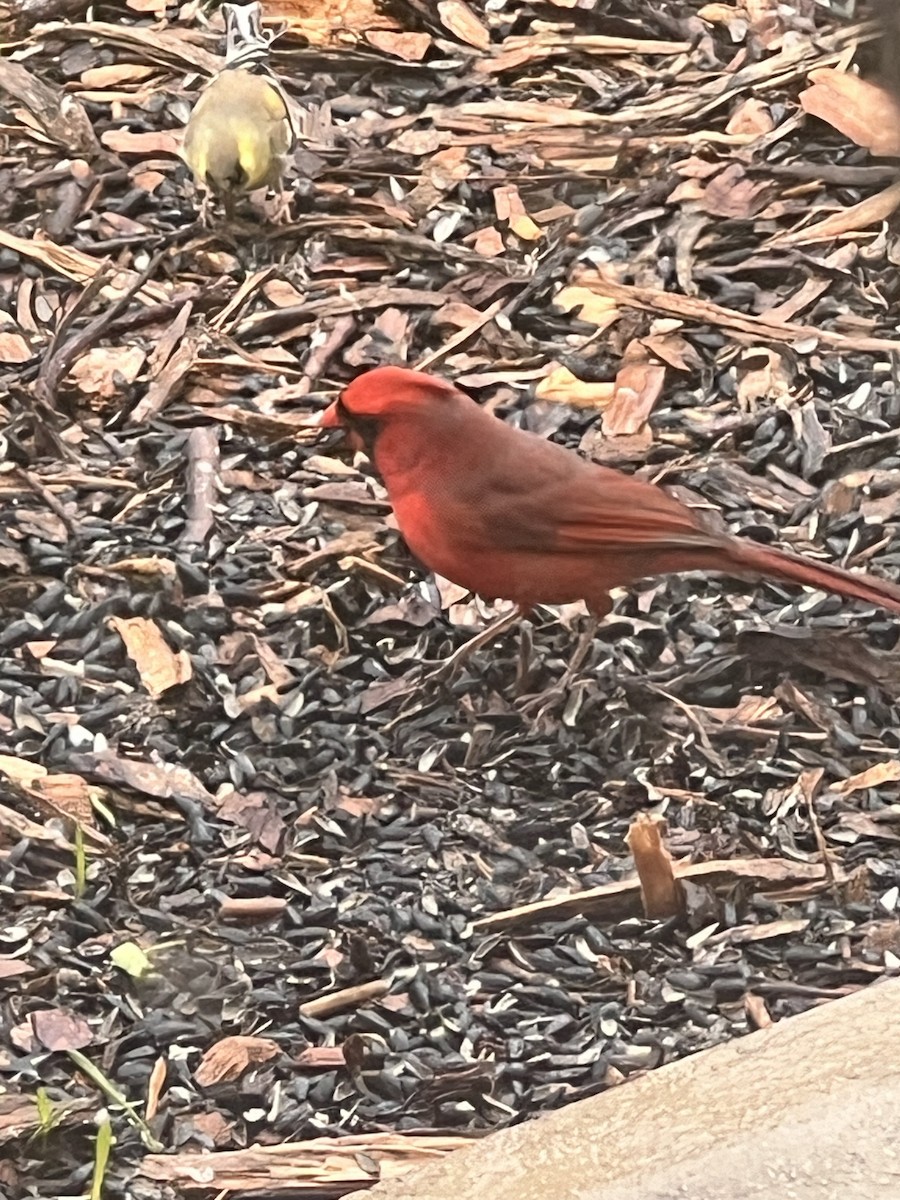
(240, 131)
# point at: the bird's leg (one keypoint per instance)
(579, 654)
(526, 645)
(453, 662)
(598, 607)
(206, 204)
(556, 693)
(281, 212)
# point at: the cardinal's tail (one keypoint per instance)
(791, 568)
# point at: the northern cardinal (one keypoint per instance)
(511, 516)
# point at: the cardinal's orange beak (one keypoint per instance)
(329, 418)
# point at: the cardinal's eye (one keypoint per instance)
(366, 427)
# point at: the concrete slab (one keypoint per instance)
(806, 1110)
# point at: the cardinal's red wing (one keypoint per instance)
(583, 508)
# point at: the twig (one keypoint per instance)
(201, 475)
(351, 997)
(62, 354)
(623, 897)
(34, 484)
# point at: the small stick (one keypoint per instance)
(351, 997)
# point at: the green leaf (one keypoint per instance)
(102, 1146)
(130, 958)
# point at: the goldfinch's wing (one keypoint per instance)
(281, 108)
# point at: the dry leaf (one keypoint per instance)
(757, 1012)
(719, 14)
(212, 1125)
(861, 825)
(19, 826)
(871, 211)
(104, 370)
(281, 293)
(360, 806)
(440, 175)
(732, 194)
(463, 24)
(67, 795)
(156, 141)
(20, 771)
(638, 386)
(739, 935)
(155, 1085)
(562, 387)
(753, 116)
(168, 382)
(153, 567)
(159, 667)
(116, 74)
(157, 7)
(229, 1058)
(56, 794)
(161, 780)
(595, 309)
(411, 47)
(840, 259)
(329, 22)
(489, 242)
(147, 181)
(874, 776)
(510, 208)
(60, 1029)
(863, 112)
(455, 315)
(768, 21)
(13, 347)
(673, 349)
(11, 967)
(763, 375)
(752, 709)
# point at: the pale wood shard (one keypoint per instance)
(325, 1166)
(740, 325)
(661, 894)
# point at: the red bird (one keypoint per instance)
(511, 516)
